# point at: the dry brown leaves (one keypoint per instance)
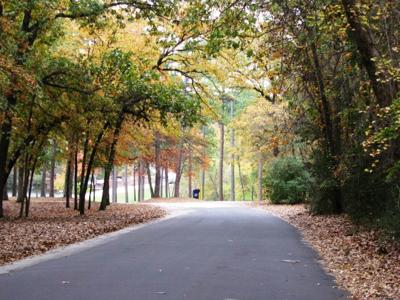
(52, 225)
(362, 263)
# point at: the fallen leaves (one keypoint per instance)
(52, 225)
(362, 263)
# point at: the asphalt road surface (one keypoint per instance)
(221, 251)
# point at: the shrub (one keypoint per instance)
(287, 181)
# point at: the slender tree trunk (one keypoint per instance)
(28, 200)
(53, 169)
(221, 163)
(126, 184)
(178, 172)
(20, 194)
(166, 183)
(14, 182)
(161, 182)
(241, 181)
(233, 196)
(90, 191)
(76, 179)
(149, 180)
(260, 169)
(142, 181)
(190, 171)
(68, 182)
(139, 181)
(43, 183)
(134, 182)
(203, 170)
(114, 185)
(157, 149)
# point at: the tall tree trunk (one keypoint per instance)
(5, 137)
(53, 169)
(157, 149)
(114, 185)
(221, 162)
(260, 169)
(76, 179)
(43, 183)
(126, 184)
(233, 196)
(241, 181)
(149, 180)
(105, 200)
(166, 183)
(203, 170)
(178, 172)
(68, 182)
(20, 194)
(28, 200)
(141, 172)
(14, 182)
(134, 182)
(190, 171)
(90, 191)
(161, 182)
(139, 181)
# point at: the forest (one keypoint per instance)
(294, 101)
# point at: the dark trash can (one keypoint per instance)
(196, 193)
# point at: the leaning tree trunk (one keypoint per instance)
(149, 180)
(20, 194)
(105, 199)
(178, 172)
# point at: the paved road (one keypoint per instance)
(213, 251)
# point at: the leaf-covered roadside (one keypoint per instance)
(52, 225)
(362, 263)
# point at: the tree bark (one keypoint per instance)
(233, 196)
(157, 148)
(14, 182)
(53, 169)
(76, 179)
(114, 185)
(126, 184)
(166, 183)
(221, 163)
(20, 194)
(43, 183)
(203, 170)
(68, 182)
(190, 171)
(149, 180)
(178, 172)
(241, 181)
(260, 169)
(105, 200)
(134, 182)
